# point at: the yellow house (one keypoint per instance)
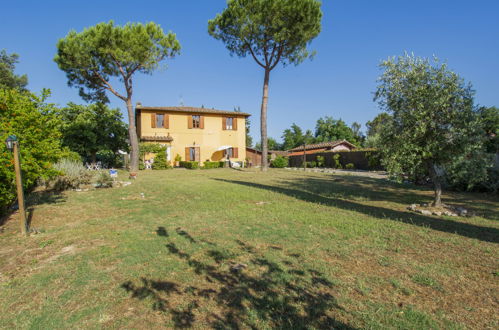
(196, 134)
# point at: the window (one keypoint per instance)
(160, 120)
(196, 121)
(229, 122)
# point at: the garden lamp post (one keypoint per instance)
(12, 145)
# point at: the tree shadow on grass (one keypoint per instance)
(374, 189)
(230, 294)
(32, 200)
(487, 234)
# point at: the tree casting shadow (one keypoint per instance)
(245, 295)
(487, 234)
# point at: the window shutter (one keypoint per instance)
(166, 121)
(235, 153)
(234, 123)
(201, 119)
(153, 120)
(224, 123)
(187, 154)
(189, 121)
(197, 153)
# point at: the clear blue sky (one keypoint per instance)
(339, 82)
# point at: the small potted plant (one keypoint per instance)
(178, 159)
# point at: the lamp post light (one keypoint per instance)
(12, 145)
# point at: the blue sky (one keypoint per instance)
(339, 82)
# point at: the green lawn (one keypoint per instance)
(310, 251)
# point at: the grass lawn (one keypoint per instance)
(240, 249)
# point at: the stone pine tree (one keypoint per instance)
(99, 55)
(433, 120)
(271, 32)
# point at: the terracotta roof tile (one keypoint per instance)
(193, 110)
(331, 144)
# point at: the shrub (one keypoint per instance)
(178, 158)
(336, 161)
(104, 180)
(221, 164)
(36, 125)
(279, 162)
(311, 164)
(72, 174)
(321, 161)
(160, 162)
(350, 166)
(189, 165)
(209, 164)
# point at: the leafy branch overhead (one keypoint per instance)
(271, 31)
(92, 57)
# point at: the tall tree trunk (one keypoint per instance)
(132, 133)
(93, 157)
(437, 184)
(263, 120)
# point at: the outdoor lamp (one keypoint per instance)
(10, 142)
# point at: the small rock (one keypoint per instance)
(412, 207)
(424, 212)
(437, 213)
(142, 195)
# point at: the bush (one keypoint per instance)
(321, 161)
(350, 166)
(336, 161)
(104, 180)
(279, 162)
(160, 162)
(72, 174)
(311, 164)
(36, 125)
(189, 165)
(209, 164)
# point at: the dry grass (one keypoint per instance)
(320, 251)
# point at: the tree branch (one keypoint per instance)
(108, 86)
(254, 57)
(279, 54)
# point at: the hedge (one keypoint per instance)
(189, 165)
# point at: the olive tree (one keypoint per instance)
(433, 120)
(93, 57)
(271, 32)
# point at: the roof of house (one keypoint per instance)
(330, 144)
(193, 110)
(279, 152)
(157, 138)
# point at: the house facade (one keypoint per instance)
(195, 134)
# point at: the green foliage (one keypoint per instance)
(90, 129)
(336, 161)
(271, 31)
(350, 166)
(104, 180)
(272, 144)
(178, 158)
(321, 161)
(189, 165)
(329, 129)
(433, 120)
(373, 159)
(279, 162)
(475, 171)
(160, 162)
(311, 164)
(490, 123)
(8, 79)
(209, 164)
(293, 137)
(92, 57)
(153, 148)
(36, 124)
(71, 175)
